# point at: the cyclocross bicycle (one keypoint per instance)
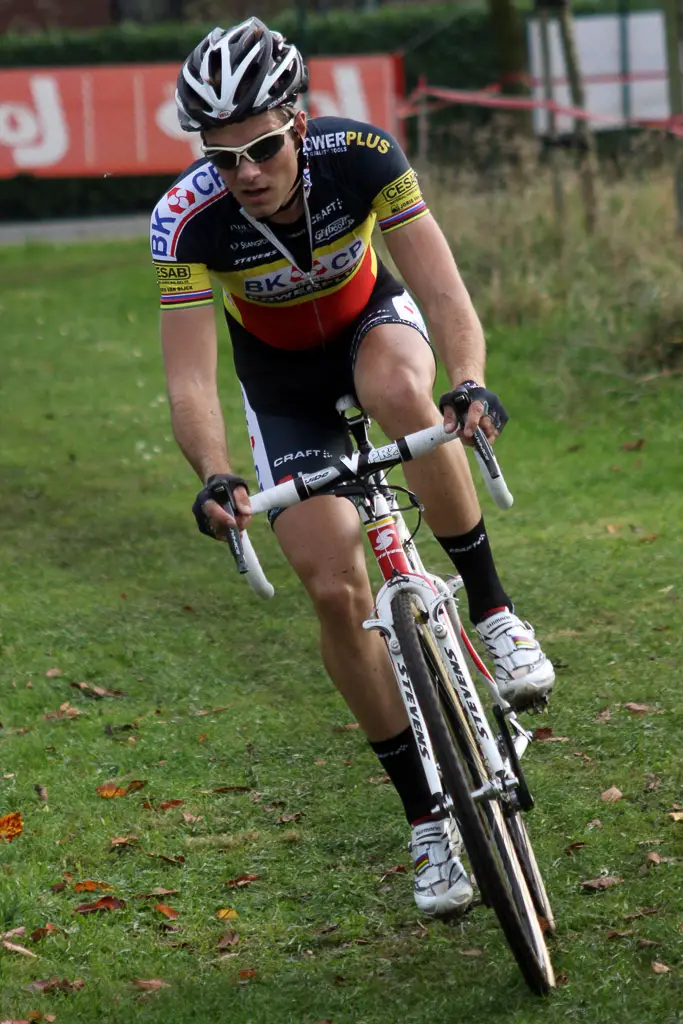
(471, 758)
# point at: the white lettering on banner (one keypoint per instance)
(349, 98)
(166, 118)
(40, 138)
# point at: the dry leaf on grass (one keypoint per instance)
(285, 818)
(213, 711)
(159, 891)
(124, 840)
(656, 858)
(66, 710)
(249, 972)
(633, 446)
(573, 847)
(166, 910)
(90, 886)
(228, 789)
(397, 869)
(643, 709)
(55, 984)
(659, 968)
(604, 715)
(544, 734)
(52, 673)
(40, 933)
(106, 903)
(242, 880)
(14, 948)
(230, 938)
(169, 860)
(604, 882)
(90, 690)
(168, 804)
(619, 935)
(648, 943)
(652, 783)
(594, 823)
(676, 815)
(641, 912)
(42, 792)
(346, 728)
(150, 984)
(11, 826)
(109, 790)
(14, 933)
(326, 929)
(226, 914)
(611, 795)
(192, 819)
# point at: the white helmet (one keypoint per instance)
(236, 73)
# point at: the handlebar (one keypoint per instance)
(412, 446)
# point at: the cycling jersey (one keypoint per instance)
(357, 174)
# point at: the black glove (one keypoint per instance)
(220, 488)
(460, 399)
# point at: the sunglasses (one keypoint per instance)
(227, 158)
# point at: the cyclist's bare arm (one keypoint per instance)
(190, 349)
(426, 264)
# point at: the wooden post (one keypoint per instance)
(551, 131)
(582, 131)
(673, 51)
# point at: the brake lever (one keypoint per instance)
(221, 494)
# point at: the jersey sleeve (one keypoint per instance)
(391, 183)
(181, 275)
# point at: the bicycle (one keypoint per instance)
(473, 770)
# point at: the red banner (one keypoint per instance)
(92, 121)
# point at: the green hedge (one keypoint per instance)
(452, 44)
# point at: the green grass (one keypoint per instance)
(104, 576)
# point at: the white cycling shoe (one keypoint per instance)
(441, 888)
(523, 673)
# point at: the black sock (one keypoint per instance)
(401, 760)
(471, 555)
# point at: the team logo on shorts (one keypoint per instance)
(180, 199)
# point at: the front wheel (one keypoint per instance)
(482, 827)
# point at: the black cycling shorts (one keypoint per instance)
(289, 397)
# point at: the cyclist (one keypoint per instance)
(279, 212)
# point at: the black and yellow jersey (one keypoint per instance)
(357, 174)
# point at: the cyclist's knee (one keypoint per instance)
(402, 400)
(339, 600)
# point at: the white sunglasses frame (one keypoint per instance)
(241, 152)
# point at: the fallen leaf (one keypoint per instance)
(470, 952)
(169, 928)
(573, 847)
(42, 793)
(633, 446)
(659, 968)
(381, 780)
(229, 788)
(170, 803)
(285, 818)
(150, 984)
(665, 590)
(66, 710)
(109, 790)
(40, 933)
(320, 761)
(202, 737)
(604, 882)
(106, 903)
(656, 858)
(15, 933)
(124, 840)
(226, 914)
(611, 795)
(251, 973)
(159, 891)
(586, 758)
(230, 938)
(649, 538)
(562, 978)
(191, 819)
(11, 826)
(55, 984)
(52, 673)
(58, 887)
(643, 709)
(652, 783)
(595, 823)
(676, 815)
(242, 880)
(346, 728)
(641, 912)
(398, 869)
(326, 929)
(604, 715)
(611, 528)
(647, 943)
(544, 734)
(169, 860)
(619, 935)
(89, 690)
(213, 711)
(13, 948)
(166, 910)
(90, 886)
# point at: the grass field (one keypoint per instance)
(104, 578)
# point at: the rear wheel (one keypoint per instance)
(482, 825)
